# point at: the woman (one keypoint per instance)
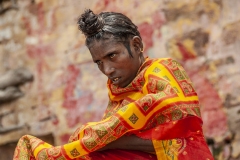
(153, 110)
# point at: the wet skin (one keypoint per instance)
(114, 61)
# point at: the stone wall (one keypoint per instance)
(68, 90)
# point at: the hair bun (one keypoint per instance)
(90, 23)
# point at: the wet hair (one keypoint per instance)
(107, 25)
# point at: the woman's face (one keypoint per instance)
(114, 61)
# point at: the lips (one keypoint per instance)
(115, 80)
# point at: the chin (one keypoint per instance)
(124, 85)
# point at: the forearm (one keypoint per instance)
(130, 143)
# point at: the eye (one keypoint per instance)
(98, 63)
(112, 55)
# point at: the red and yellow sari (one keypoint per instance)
(160, 104)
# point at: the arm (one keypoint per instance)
(131, 142)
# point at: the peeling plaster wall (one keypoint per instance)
(68, 90)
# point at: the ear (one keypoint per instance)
(137, 44)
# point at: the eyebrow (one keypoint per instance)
(111, 52)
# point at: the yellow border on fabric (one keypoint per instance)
(129, 94)
(163, 72)
(172, 79)
(162, 148)
(136, 95)
(142, 118)
(133, 109)
(74, 145)
(40, 148)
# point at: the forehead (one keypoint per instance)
(104, 42)
(101, 48)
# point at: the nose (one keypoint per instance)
(107, 69)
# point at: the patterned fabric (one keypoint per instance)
(160, 104)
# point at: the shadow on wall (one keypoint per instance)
(10, 82)
(10, 91)
(6, 5)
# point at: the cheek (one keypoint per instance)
(100, 69)
(121, 65)
(127, 63)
